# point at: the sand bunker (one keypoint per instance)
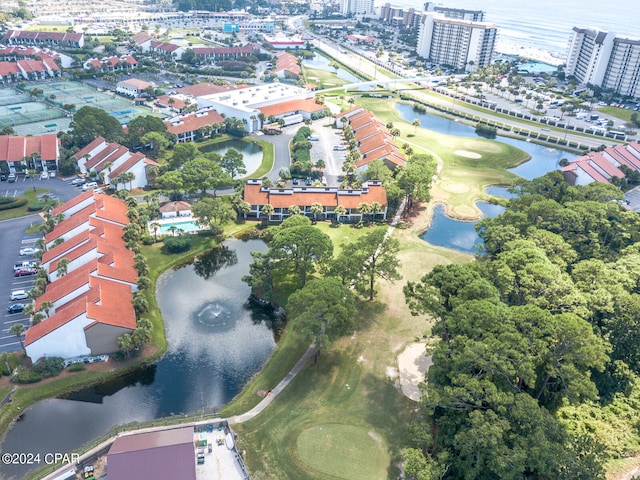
(413, 364)
(468, 154)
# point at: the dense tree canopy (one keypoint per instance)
(536, 338)
(91, 122)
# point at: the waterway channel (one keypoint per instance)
(216, 343)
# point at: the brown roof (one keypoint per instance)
(371, 192)
(307, 106)
(192, 122)
(15, 148)
(127, 164)
(175, 207)
(87, 149)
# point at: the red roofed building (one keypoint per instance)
(143, 41)
(373, 140)
(166, 49)
(92, 301)
(18, 152)
(133, 87)
(111, 64)
(9, 72)
(601, 166)
(287, 66)
(306, 108)
(204, 54)
(281, 199)
(87, 325)
(189, 127)
(112, 160)
(21, 37)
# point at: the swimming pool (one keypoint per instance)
(184, 225)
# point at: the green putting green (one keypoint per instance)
(344, 451)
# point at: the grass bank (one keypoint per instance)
(468, 165)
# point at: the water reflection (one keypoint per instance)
(204, 367)
(447, 232)
(251, 152)
(208, 263)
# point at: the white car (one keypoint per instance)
(44, 176)
(27, 251)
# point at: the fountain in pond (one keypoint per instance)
(216, 314)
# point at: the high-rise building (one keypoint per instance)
(459, 13)
(463, 45)
(356, 7)
(401, 17)
(605, 59)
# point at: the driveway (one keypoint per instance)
(323, 149)
(281, 155)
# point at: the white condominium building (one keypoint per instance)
(606, 60)
(356, 7)
(459, 44)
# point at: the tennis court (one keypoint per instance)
(28, 117)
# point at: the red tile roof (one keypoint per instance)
(127, 164)
(371, 192)
(192, 122)
(8, 68)
(14, 148)
(141, 37)
(88, 148)
(292, 106)
(78, 199)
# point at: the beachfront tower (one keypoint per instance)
(605, 59)
(462, 45)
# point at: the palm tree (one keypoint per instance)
(46, 306)
(18, 329)
(375, 209)
(155, 226)
(394, 133)
(173, 229)
(364, 209)
(340, 211)
(267, 210)
(32, 173)
(416, 124)
(63, 265)
(316, 209)
(294, 210)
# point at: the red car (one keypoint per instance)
(22, 272)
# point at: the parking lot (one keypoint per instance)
(323, 148)
(13, 238)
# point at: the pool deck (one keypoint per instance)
(163, 222)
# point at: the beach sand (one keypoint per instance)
(531, 53)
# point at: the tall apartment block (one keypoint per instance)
(459, 13)
(356, 7)
(605, 59)
(463, 45)
(410, 18)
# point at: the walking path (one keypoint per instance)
(101, 448)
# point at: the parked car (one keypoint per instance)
(19, 265)
(295, 181)
(28, 251)
(308, 181)
(3, 178)
(52, 174)
(19, 295)
(23, 272)
(15, 308)
(11, 178)
(78, 181)
(89, 186)
(44, 176)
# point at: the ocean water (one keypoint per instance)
(547, 24)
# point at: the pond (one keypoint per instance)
(446, 232)
(251, 153)
(216, 343)
(543, 159)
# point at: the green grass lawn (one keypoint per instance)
(623, 114)
(324, 78)
(462, 179)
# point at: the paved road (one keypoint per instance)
(281, 155)
(323, 149)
